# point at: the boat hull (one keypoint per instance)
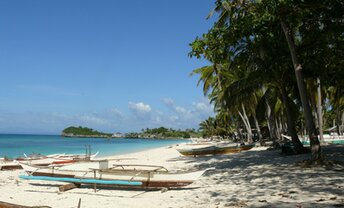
(214, 150)
(146, 178)
(55, 159)
(9, 166)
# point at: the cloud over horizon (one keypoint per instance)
(139, 115)
(139, 107)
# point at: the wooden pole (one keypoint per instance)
(95, 184)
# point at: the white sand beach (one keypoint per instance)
(255, 178)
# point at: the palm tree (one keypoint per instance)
(208, 127)
(252, 45)
(239, 14)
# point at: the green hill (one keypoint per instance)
(82, 132)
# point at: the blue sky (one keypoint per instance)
(109, 65)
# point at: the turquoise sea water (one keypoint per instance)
(334, 141)
(13, 146)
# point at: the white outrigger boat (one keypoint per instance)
(44, 160)
(212, 148)
(122, 176)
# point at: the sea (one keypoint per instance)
(16, 145)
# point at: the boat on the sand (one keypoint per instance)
(122, 176)
(212, 148)
(44, 160)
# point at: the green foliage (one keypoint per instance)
(218, 126)
(164, 133)
(248, 52)
(83, 131)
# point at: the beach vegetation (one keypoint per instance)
(275, 65)
(154, 133)
(164, 133)
(80, 131)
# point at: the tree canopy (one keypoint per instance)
(266, 57)
(83, 131)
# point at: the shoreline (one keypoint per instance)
(254, 178)
(56, 144)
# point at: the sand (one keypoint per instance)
(255, 178)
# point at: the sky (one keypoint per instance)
(114, 66)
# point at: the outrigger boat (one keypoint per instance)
(44, 160)
(121, 176)
(7, 164)
(212, 148)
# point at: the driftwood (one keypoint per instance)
(68, 186)
(79, 204)
(9, 205)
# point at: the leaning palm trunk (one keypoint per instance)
(271, 123)
(249, 129)
(313, 137)
(290, 122)
(260, 137)
(247, 125)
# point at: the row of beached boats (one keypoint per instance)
(44, 160)
(81, 169)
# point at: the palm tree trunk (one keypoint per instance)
(244, 118)
(249, 132)
(319, 108)
(291, 121)
(313, 138)
(260, 138)
(271, 124)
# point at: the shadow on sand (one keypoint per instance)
(269, 179)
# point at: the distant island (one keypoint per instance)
(83, 132)
(155, 133)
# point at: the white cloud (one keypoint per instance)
(141, 111)
(140, 107)
(109, 120)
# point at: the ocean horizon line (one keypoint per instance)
(14, 145)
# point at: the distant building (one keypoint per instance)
(117, 135)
